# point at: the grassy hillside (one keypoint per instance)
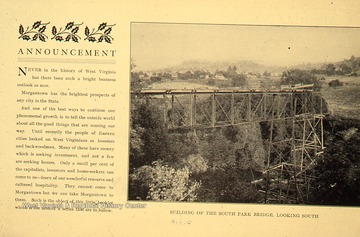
(343, 101)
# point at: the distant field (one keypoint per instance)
(343, 100)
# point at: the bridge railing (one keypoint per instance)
(216, 108)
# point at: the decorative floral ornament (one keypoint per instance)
(68, 33)
(103, 30)
(36, 32)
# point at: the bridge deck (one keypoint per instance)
(219, 91)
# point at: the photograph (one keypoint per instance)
(261, 114)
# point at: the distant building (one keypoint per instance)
(219, 76)
(144, 77)
(174, 75)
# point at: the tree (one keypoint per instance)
(166, 75)
(338, 172)
(132, 64)
(239, 80)
(267, 74)
(345, 69)
(231, 185)
(330, 69)
(297, 76)
(136, 143)
(180, 146)
(149, 141)
(217, 150)
(135, 82)
(338, 175)
(195, 163)
(249, 148)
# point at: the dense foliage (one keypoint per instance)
(219, 165)
(297, 76)
(171, 166)
(229, 184)
(159, 182)
(338, 174)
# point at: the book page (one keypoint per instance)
(158, 118)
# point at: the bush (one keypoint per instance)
(162, 183)
(195, 163)
(335, 83)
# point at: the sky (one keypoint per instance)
(160, 45)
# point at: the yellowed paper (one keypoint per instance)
(65, 121)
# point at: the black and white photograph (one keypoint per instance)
(262, 114)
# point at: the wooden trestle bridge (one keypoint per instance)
(294, 116)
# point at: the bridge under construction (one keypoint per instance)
(294, 142)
